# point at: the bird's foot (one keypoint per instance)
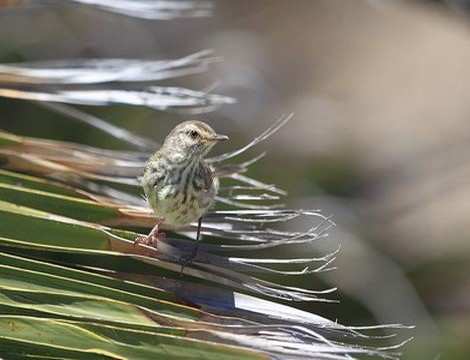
(151, 239)
(187, 258)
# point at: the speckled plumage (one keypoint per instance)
(178, 183)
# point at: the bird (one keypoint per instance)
(179, 185)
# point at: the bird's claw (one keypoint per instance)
(187, 259)
(150, 240)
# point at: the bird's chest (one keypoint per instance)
(184, 194)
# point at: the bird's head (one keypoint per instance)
(193, 138)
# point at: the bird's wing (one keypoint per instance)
(208, 176)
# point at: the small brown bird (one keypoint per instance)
(179, 185)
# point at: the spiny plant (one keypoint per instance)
(73, 285)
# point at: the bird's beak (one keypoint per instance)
(218, 137)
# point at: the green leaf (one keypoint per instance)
(76, 340)
(74, 286)
(18, 222)
(27, 274)
(41, 228)
(7, 139)
(35, 183)
(80, 209)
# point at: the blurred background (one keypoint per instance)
(380, 136)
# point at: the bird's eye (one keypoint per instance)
(194, 134)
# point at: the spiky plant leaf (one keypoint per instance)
(73, 285)
(69, 263)
(116, 81)
(153, 9)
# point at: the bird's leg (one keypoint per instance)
(152, 238)
(184, 260)
(198, 237)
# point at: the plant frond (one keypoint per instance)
(153, 10)
(67, 237)
(98, 71)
